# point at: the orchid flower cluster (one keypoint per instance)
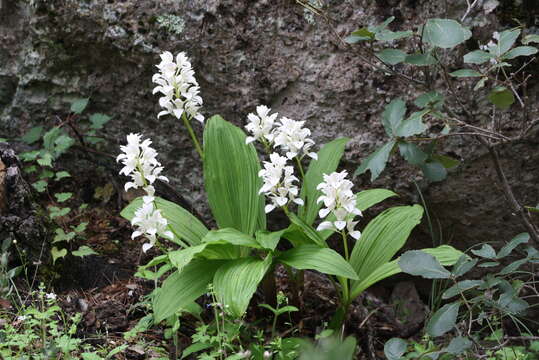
(176, 82)
(140, 163)
(293, 139)
(340, 201)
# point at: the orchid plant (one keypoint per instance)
(241, 252)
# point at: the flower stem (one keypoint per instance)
(193, 136)
(345, 244)
(300, 168)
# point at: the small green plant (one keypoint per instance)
(43, 331)
(279, 310)
(54, 143)
(7, 274)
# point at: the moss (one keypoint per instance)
(171, 23)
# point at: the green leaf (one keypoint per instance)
(269, 239)
(506, 41)
(236, 281)
(80, 227)
(512, 303)
(443, 320)
(78, 106)
(461, 286)
(392, 116)
(195, 347)
(388, 35)
(446, 161)
(55, 211)
(329, 157)
(445, 254)
(445, 33)
(33, 135)
(466, 73)
(359, 35)
(477, 57)
(520, 51)
(62, 174)
(458, 345)
(431, 98)
(421, 59)
(532, 38)
(381, 239)
(313, 257)
(486, 252)
(98, 120)
(413, 125)
(391, 56)
(463, 265)
(181, 288)
(180, 258)
(434, 171)
(532, 209)
(45, 159)
(183, 225)
(419, 263)
(307, 229)
(521, 238)
(512, 267)
(371, 197)
(61, 197)
(480, 84)
(231, 178)
(382, 26)
(395, 348)
(230, 236)
(60, 235)
(84, 251)
(412, 153)
(40, 185)
(502, 97)
(376, 162)
(57, 254)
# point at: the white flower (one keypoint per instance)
(261, 125)
(292, 137)
(21, 317)
(149, 222)
(50, 296)
(339, 200)
(140, 163)
(179, 89)
(278, 182)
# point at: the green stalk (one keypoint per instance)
(300, 168)
(193, 136)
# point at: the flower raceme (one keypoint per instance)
(278, 183)
(340, 201)
(140, 163)
(176, 82)
(289, 135)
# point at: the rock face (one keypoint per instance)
(18, 218)
(245, 53)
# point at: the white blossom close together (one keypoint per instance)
(149, 222)
(260, 125)
(50, 296)
(293, 138)
(491, 47)
(340, 201)
(279, 183)
(140, 163)
(179, 89)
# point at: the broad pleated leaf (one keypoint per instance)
(182, 288)
(269, 240)
(180, 258)
(324, 260)
(185, 227)
(236, 281)
(383, 237)
(231, 236)
(307, 229)
(445, 254)
(329, 157)
(231, 178)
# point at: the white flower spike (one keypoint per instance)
(279, 183)
(149, 222)
(140, 163)
(339, 200)
(179, 89)
(260, 125)
(293, 138)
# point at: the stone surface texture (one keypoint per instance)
(247, 53)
